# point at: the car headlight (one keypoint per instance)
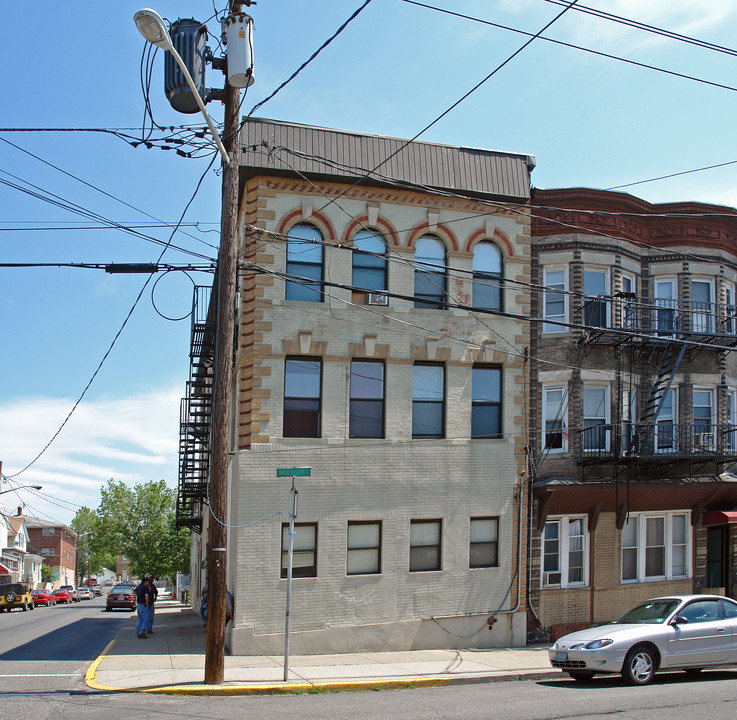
(597, 644)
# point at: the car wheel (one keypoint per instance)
(10, 597)
(639, 666)
(581, 676)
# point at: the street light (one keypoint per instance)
(20, 487)
(151, 25)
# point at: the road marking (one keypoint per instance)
(43, 675)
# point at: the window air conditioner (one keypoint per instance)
(377, 299)
(551, 578)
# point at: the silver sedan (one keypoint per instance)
(688, 632)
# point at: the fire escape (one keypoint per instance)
(656, 334)
(196, 416)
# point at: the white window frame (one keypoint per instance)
(605, 416)
(730, 309)
(703, 321)
(547, 578)
(561, 414)
(604, 297)
(562, 289)
(705, 439)
(673, 420)
(665, 304)
(732, 419)
(641, 546)
(629, 317)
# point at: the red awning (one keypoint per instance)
(4, 570)
(719, 517)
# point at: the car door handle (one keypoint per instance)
(721, 630)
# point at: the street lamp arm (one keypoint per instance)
(20, 487)
(151, 25)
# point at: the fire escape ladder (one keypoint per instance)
(665, 373)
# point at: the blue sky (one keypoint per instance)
(589, 120)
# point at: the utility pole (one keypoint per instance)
(218, 492)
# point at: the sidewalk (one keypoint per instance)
(172, 661)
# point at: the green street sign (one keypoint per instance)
(293, 472)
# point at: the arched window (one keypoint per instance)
(430, 277)
(369, 261)
(488, 277)
(304, 258)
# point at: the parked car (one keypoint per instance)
(15, 595)
(96, 590)
(85, 593)
(121, 597)
(72, 591)
(687, 632)
(43, 597)
(63, 595)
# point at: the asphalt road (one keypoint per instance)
(50, 648)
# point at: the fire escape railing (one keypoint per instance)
(195, 420)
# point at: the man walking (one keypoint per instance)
(154, 596)
(143, 598)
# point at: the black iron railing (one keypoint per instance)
(661, 439)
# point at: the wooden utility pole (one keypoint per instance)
(218, 493)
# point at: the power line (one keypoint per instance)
(590, 51)
(457, 102)
(118, 334)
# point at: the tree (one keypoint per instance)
(94, 551)
(47, 573)
(140, 522)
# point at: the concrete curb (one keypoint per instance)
(307, 686)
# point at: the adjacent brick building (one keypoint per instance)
(633, 416)
(56, 544)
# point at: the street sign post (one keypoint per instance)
(292, 473)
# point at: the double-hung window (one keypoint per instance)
(304, 550)
(555, 299)
(595, 418)
(595, 302)
(656, 547)
(428, 401)
(424, 545)
(367, 399)
(302, 386)
(484, 546)
(555, 418)
(703, 418)
(369, 262)
(486, 402)
(487, 277)
(565, 552)
(364, 548)
(430, 273)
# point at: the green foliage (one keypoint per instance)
(140, 523)
(94, 552)
(47, 573)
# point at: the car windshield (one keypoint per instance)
(651, 611)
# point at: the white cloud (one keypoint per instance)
(133, 439)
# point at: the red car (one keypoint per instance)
(43, 597)
(63, 596)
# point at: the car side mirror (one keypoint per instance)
(679, 620)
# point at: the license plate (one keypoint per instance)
(561, 656)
